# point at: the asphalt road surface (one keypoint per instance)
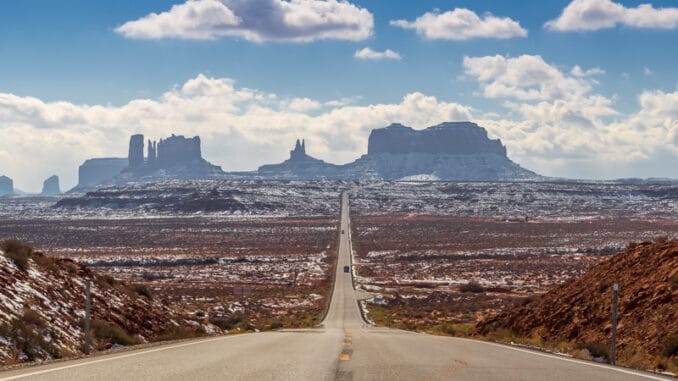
(343, 348)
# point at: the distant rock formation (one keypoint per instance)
(300, 166)
(175, 157)
(452, 138)
(6, 186)
(51, 186)
(178, 149)
(457, 151)
(97, 171)
(136, 151)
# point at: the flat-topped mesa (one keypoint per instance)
(98, 170)
(51, 186)
(453, 138)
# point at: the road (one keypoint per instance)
(343, 348)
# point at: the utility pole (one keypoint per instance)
(613, 346)
(88, 298)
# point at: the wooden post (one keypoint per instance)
(88, 298)
(613, 345)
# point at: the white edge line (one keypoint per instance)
(576, 361)
(135, 353)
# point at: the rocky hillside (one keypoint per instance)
(578, 313)
(42, 309)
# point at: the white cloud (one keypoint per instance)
(576, 135)
(241, 128)
(578, 72)
(647, 71)
(369, 54)
(255, 20)
(462, 24)
(583, 15)
(527, 77)
(303, 105)
(560, 127)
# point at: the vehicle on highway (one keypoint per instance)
(346, 269)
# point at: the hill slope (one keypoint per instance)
(579, 311)
(42, 309)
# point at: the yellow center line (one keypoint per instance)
(344, 357)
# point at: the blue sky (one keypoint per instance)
(73, 53)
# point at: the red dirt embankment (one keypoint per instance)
(579, 311)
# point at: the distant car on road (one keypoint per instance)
(346, 269)
(342, 231)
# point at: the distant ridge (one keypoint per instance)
(457, 151)
(452, 151)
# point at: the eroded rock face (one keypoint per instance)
(300, 166)
(453, 138)
(51, 186)
(454, 151)
(6, 186)
(94, 172)
(136, 151)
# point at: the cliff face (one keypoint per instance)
(457, 151)
(453, 138)
(51, 186)
(97, 171)
(6, 186)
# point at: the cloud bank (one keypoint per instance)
(559, 126)
(241, 128)
(255, 20)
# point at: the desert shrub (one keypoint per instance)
(17, 252)
(106, 281)
(71, 267)
(472, 286)
(45, 262)
(227, 324)
(527, 300)
(180, 333)
(142, 290)
(631, 245)
(503, 335)
(276, 325)
(596, 349)
(661, 239)
(33, 318)
(448, 329)
(668, 347)
(28, 339)
(673, 281)
(112, 333)
(603, 286)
